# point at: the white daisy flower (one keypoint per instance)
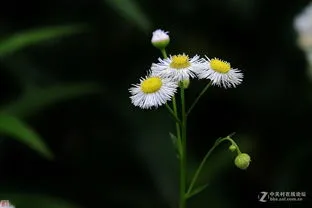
(152, 91)
(220, 73)
(178, 67)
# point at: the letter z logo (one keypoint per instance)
(262, 196)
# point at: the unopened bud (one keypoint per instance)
(232, 148)
(185, 83)
(242, 161)
(160, 39)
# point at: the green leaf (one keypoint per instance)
(37, 200)
(196, 191)
(130, 10)
(17, 129)
(21, 40)
(177, 144)
(174, 139)
(36, 99)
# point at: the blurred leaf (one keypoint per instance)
(36, 99)
(131, 10)
(17, 129)
(23, 39)
(173, 138)
(176, 143)
(197, 190)
(37, 200)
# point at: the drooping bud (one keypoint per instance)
(232, 148)
(242, 161)
(160, 39)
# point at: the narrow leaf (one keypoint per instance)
(196, 191)
(37, 99)
(21, 40)
(174, 139)
(177, 145)
(17, 129)
(130, 10)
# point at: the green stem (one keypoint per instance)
(173, 114)
(164, 53)
(175, 110)
(181, 140)
(200, 167)
(198, 97)
(183, 167)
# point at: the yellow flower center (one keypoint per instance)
(180, 62)
(220, 66)
(151, 85)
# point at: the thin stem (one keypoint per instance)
(164, 53)
(175, 110)
(194, 179)
(183, 158)
(200, 167)
(173, 114)
(198, 97)
(181, 140)
(232, 142)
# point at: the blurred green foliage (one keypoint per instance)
(132, 11)
(33, 100)
(18, 41)
(14, 127)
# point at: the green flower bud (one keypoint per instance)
(242, 161)
(160, 39)
(232, 148)
(185, 83)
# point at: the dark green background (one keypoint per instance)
(109, 153)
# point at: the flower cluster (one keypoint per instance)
(160, 86)
(163, 78)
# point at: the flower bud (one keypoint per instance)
(160, 39)
(232, 148)
(184, 83)
(242, 161)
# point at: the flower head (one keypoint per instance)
(220, 73)
(178, 67)
(160, 39)
(152, 91)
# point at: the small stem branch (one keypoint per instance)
(200, 167)
(173, 114)
(198, 97)
(175, 110)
